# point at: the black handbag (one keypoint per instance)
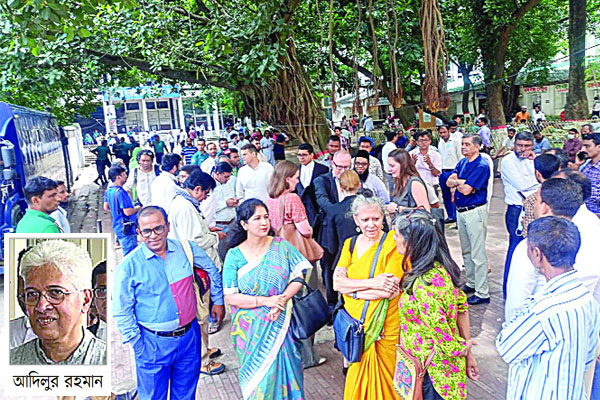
(309, 313)
(350, 333)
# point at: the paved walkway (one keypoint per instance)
(326, 381)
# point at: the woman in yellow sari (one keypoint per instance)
(371, 378)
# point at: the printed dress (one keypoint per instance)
(428, 319)
(271, 366)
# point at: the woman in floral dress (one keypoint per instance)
(433, 310)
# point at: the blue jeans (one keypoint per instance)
(429, 392)
(128, 243)
(160, 361)
(447, 195)
(512, 224)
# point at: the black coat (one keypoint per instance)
(327, 197)
(308, 196)
(341, 224)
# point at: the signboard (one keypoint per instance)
(593, 84)
(536, 89)
(562, 88)
(143, 92)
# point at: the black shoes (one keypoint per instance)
(474, 300)
(467, 289)
(449, 221)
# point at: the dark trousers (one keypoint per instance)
(512, 224)
(447, 195)
(159, 157)
(429, 392)
(327, 269)
(101, 167)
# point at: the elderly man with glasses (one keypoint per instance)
(154, 307)
(57, 296)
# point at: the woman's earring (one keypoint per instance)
(357, 229)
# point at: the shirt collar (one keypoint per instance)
(149, 253)
(556, 282)
(40, 214)
(79, 352)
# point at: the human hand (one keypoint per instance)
(387, 282)
(221, 235)
(215, 229)
(231, 202)
(529, 154)
(218, 312)
(341, 272)
(472, 369)
(414, 158)
(273, 314)
(277, 301)
(391, 207)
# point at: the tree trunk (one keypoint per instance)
(289, 103)
(577, 103)
(511, 94)
(465, 70)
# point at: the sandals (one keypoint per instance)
(213, 327)
(213, 368)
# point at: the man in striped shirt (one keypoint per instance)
(551, 341)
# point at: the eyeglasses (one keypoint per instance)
(303, 155)
(100, 292)
(361, 164)
(54, 296)
(341, 167)
(422, 140)
(158, 230)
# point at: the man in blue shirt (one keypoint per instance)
(118, 202)
(540, 144)
(484, 133)
(154, 307)
(468, 183)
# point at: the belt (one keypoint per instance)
(176, 333)
(224, 222)
(467, 208)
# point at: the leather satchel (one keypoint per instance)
(309, 313)
(409, 373)
(349, 332)
(308, 247)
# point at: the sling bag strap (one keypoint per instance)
(373, 265)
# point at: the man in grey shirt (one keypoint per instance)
(58, 296)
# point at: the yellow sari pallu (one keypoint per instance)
(372, 377)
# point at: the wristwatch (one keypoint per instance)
(354, 296)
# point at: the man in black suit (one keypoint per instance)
(328, 192)
(309, 171)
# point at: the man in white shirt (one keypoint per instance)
(164, 187)
(518, 176)
(538, 114)
(450, 152)
(427, 161)
(210, 163)
(367, 179)
(375, 168)
(254, 177)
(309, 171)
(267, 146)
(368, 124)
(388, 147)
(455, 132)
(139, 181)
(224, 194)
(60, 214)
(561, 198)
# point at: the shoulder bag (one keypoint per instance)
(410, 372)
(200, 281)
(127, 223)
(308, 247)
(309, 313)
(350, 333)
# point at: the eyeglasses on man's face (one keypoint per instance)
(54, 296)
(158, 230)
(100, 292)
(340, 167)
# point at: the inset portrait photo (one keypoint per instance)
(57, 307)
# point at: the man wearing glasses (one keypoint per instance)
(99, 304)
(309, 171)
(427, 161)
(328, 192)
(154, 307)
(58, 296)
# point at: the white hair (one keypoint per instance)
(71, 260)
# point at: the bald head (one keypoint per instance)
(341, 162)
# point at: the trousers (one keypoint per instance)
(472, 231)
(327, 269)
(162, 361)
(513, 212)
(447, 195)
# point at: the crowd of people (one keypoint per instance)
(211, 215)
